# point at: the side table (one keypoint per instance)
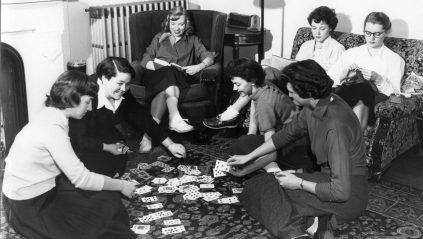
(237, 37)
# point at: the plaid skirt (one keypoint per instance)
(67, 212)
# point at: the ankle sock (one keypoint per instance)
(229, 113)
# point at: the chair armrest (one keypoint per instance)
(402, 107)
(211, 73)
(139, 72)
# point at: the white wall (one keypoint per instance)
(38, 31)
(284, 17)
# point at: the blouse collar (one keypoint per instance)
(103, 101)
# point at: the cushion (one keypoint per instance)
(413, 84)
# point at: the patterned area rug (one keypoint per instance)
(394, 211)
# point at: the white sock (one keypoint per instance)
(313, 228)
(229, 113)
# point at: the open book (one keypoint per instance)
(158, 63)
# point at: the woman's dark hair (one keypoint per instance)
(111, 65)
(66, 92)
(174, 15)
(308, 79)
(325, 14)
(379, 18)
(249, 70)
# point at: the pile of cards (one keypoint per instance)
(154, 216)
(220, 169)
(141, 173)
(205, 179)
(166, 168)
(140, 229)
(189, 169)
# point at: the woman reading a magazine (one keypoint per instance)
(164, 82)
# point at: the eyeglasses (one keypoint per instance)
(375, 34)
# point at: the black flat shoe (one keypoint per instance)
(216, 123)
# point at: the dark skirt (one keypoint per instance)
(159, 80)
(287, 213)
(69, 213)
(103, 162)
(353, 93)
(295, 156)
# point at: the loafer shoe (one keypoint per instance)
(180, 126)
(216, 123)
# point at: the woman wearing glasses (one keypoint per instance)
(375, 63)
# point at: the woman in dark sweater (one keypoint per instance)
(285, 202)
(96, 138)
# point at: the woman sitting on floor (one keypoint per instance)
(48, 193)
(96, 138)
(323, 49)
(165, 85)
(270, 109)
(285, 202)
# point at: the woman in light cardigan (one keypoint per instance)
(48, 192)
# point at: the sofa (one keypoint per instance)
(396, 127)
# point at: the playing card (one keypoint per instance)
(192, 195)
(167, 189)
(222, 166)
(168, 169)
(187, 179)
(237, 190)
(173, 230)
(149, 199)
(154, 216)
(218, 173)
(159, 180)
(143, 174)
(143, 166)
(228, 200)
(171, 222)
(140, 229)
(143, 189)
(207, 185)
(155, 206)
(173, 182)
(164, 158)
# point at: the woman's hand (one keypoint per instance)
(238, 172)
(238, 160)
(177, 150)
(114, 149)
(150, 65)
(288, 180)
(371, 76)
(192, 70)
(128, 188)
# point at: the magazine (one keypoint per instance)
(158, 63)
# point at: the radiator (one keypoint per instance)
(110, 26)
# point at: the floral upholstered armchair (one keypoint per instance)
(395, 130)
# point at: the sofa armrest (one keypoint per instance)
(399, 107)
